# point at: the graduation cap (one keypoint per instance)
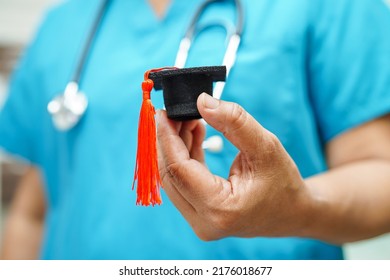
(181, 88)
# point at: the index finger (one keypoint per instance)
(190, 177)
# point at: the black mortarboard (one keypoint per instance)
(181, 88)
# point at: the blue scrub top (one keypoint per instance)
(306, 70)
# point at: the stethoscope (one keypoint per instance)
(67, 108)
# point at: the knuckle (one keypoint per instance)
(273, 143)
(223, 222)
(216, 224)
(173, 169)
(204, 236)
(222, 225)
(237, 117)
(164, 175)
(160, 132)
(162, 168)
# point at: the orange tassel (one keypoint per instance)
(146, 170)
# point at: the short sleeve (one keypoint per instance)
(18, 116)
(349, 63)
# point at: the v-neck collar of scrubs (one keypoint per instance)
(176, 9)
(152, 13)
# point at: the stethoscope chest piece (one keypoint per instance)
(67, 109)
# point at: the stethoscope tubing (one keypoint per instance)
(90, 39)
(66, 103)
(213, 144)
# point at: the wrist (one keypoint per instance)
(319, 222)
(313, 215)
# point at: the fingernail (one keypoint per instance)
(210, 102)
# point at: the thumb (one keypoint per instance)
(238, 126)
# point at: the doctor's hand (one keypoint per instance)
(264, 194)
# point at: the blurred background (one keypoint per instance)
(18, 22)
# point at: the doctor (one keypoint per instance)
(314, 73)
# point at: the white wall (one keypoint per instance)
(19, 18)
(18, 22)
